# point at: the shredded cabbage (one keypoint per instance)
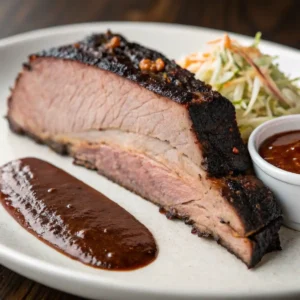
(250, 79)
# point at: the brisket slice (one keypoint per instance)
(163, 135)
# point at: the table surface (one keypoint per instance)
(278, 20)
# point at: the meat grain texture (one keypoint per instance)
(147, 124)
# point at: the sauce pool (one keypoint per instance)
(283, 151)
(73, 218)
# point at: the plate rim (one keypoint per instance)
(7, 254)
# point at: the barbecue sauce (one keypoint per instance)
(283, 151)
(73, 218)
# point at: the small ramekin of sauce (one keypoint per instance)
(275, 151)
(282, 150)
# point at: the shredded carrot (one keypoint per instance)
(191, 61)
(227, 84)
(215, 41)
(227, 41)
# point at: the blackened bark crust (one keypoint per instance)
(254, 203)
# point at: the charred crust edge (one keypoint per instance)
(215, 127)
(254, 203)
(265, 241)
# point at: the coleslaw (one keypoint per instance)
(250, 79)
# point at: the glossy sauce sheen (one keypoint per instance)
(74, 218)
(283, 151)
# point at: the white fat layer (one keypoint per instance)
(191, 185)
(160, 151)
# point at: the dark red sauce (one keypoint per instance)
(73, 218)
(283, 151)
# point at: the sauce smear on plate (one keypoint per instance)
(283, 151)
(73, 218)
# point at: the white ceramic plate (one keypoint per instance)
(187, 267)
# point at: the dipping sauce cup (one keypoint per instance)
(285, 185)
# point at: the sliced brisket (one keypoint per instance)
(155, 130)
